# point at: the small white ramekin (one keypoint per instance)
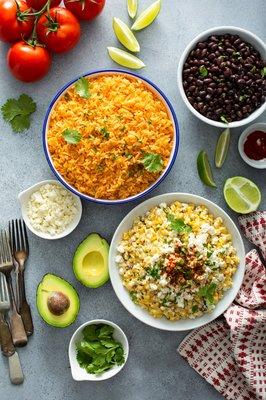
(24, 197)
(80, 374)
(220, 30)
(260, 164)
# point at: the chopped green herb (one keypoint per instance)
(243, 97)
(165, 300)
(207, 292)
(236, 55)
(98, 351)
(105, 133)
(186, 273)
(154, 271)
(194, 309)
(223, 119)
(203, 71)
(133, 297)
(17, 112)
(253, 69)
(263, 72)
(209, 253)
(152, 162)
(82, 87)
(178, 224)
(71, 136)
(128, 155)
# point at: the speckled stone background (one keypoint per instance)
(154, 371)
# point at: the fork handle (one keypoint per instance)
(7, 345)
(17, 329)
(26, 317)
(15, 370)
(24, 308)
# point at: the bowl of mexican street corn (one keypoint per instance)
(176, 261)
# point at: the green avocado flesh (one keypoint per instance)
(90, 261)
(52, 288)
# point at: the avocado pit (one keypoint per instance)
(58, 303)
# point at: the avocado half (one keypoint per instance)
(90, 261)
(57, 301)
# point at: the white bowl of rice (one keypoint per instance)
(176, 261)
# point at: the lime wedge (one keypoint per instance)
(222, 148)
(132, 8)
(204, 169)
(124, 35)
(147, 16)
(241, 194)
(124, 58)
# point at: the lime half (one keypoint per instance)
(125, 36)
(241, 194)
(132, 8)
(222, 148)
(124, 58)
(204, 169)
(147, 16)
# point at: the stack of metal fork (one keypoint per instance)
(15, 316)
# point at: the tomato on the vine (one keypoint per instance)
(58, 29)
(28, 62)
(85, 9)
(15, 23)
(39, 4)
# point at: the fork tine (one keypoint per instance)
(10, 233)
(2, 287)
(1, 249)
(3, 246)
(25, 236)
(18, 236)
(4, 295)
(8, 249)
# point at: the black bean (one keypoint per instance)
(201, 45)
(240, 81)
(211, 56)
(227, 72)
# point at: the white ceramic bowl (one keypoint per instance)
(78, 373)
(122, 292)
(260, 164)
(24, 197)
(220, 30)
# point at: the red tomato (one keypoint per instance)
(14, 22)
(28, 63)
(39, 4)
(60, 31)
(85, 9)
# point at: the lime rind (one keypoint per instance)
(222, 147)
(204, 169)
(125, 36)
(242, 195)
(124, 58)
(147, 16)
(132, 8)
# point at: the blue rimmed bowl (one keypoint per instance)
(151, 86)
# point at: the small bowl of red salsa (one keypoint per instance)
(252, 145)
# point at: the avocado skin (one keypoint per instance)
(45, 319)
(79, 248)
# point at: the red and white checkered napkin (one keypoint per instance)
(230, 353)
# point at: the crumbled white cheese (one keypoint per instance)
(207, 228)
(120, 249)
(197, 240)
(153, 286)
(51, 209)
(118, 258)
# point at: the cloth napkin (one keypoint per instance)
(230, 353)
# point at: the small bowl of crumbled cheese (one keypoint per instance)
(49, 210)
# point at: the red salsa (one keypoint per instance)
(255, 145)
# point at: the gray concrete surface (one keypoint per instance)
(154, 371)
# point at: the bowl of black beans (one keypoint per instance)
(222, 76)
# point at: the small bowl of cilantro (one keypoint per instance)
(97, 351)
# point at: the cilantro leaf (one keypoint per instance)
(82, 87)
(263, 72)
(26, 104)
(154, 271)
(133, 297)
(71, 136)
(20, 123)
(99, 351)
(152, 162)
(10, 109)
(17, 112)
(207, 292)
(203, 71)
(178, 225)
(194, 309)
(105, 133)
